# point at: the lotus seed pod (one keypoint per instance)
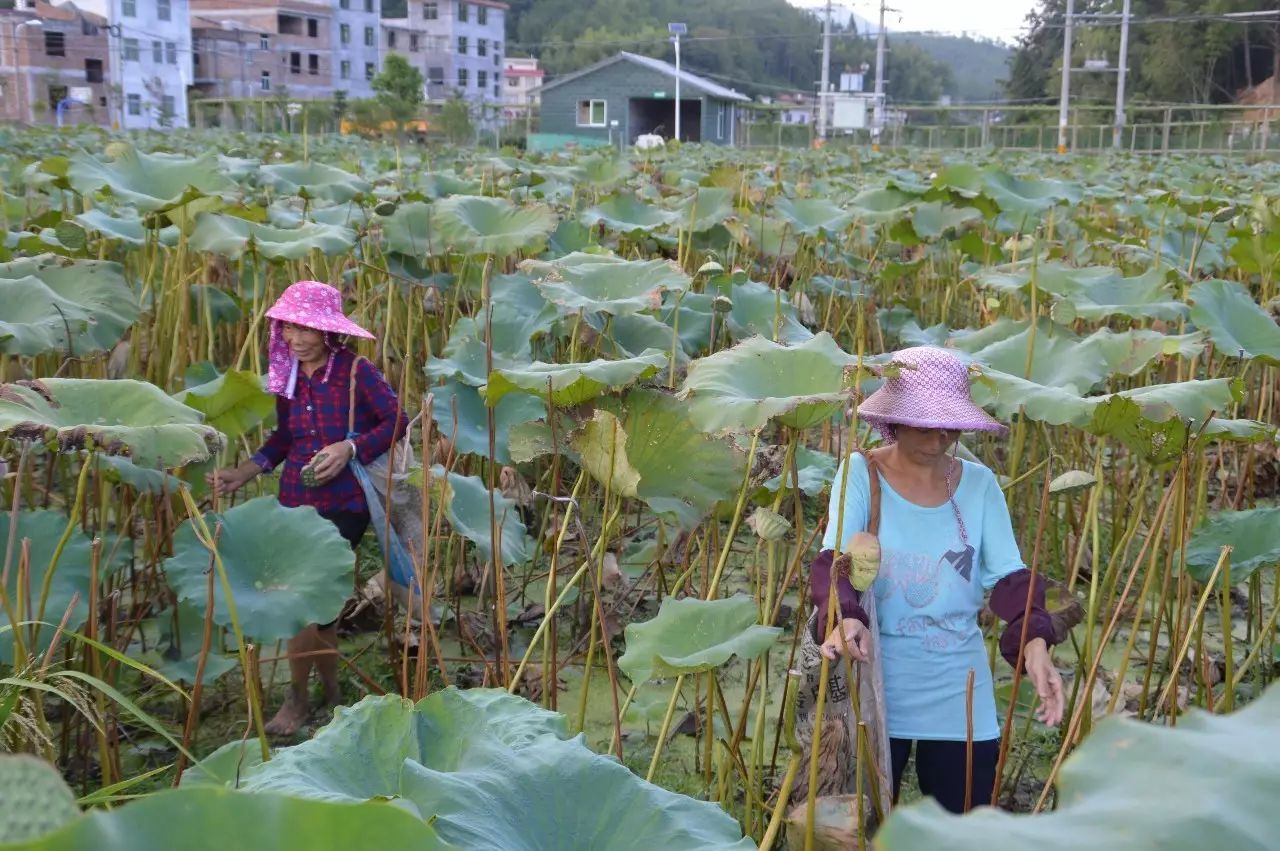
(34, 799)
(864, 555)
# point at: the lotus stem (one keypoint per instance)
(77, 507)
(666, 728)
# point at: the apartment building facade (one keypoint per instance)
(54, 64)
(460, 48)
(292, 53)
(150, 60)
(521, 87)
(356, 32)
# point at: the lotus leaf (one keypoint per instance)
(181, 637)
(439, 185)
(472, 433)
(464, 356)
(881, 205)
(234, 403)
(202, 819)
(210, 304)
(225, 766)
(812, 216)
(757, 380)
(475, 224)
(1130, 352)
(932, 220)
(467, 508)
(312, 179)
(759, 310)
(628, 335)
(42, 298)
(1057, 358)
(598, 282)
(602, 445)
(603, 171)
(1134, 784)
(127, 229)
(707, 207)
(141, 479)
(119, 416)
(1250, 534)
(1024, 198)
(1096, 292)
(1238, 326)
(149, 182)
(573, 383)
(690, 636)
(411, 231)
(287, 567)
(816, 471)
(34, 799)
(627, 214)
(232, 236)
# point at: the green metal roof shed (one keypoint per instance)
(627, 95)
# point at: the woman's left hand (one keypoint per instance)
(336, 457)
(1048, 682)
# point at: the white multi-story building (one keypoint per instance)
(150, 59)
(356, 29)
(522, 79)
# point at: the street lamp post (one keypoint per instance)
(17, 65)
(676, 31)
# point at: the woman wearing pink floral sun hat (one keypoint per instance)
(311, 373)
(945, 539)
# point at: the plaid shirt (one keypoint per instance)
(316, 417)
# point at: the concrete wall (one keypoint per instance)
(34, 76)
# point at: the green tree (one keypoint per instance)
(455, 120)
(399, 87)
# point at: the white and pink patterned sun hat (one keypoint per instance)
(312, 305)
(928, 389)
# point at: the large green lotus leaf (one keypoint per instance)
(759, 310)
(815, 470)
(555, 794)
(463, 357)
(602, 171)
(70, 578)
(1186, 400)
(627, 214)
(932, 219)
(438, 184)
(1238, 326)
(812, 216)
(690, 315)
(234, 403)
(312, 180)
(1058, 358)
(181, 636)
(1008, 395)
(127, 229)
(881, 205)
(683, 472)
(1133, 784)
(410, 230)
(117, 468)
(127, 416)
(1130, 352)
(211, 304)
(746, 386)
(1178, 246)
(520, 314)
(602, 445)
(1027, 197)
(705, 208)
(1095, 292)
(572, 383)
(287, 567)
(629, 334)
(203, 819)
(770, 236)
(601, 282)
(472, 432)
(690, 636)
(34, 799)
(42, 297)
(232, 236)
(473, 224)
(1252, 536)
(467, 507)
(149, 182)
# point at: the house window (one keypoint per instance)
(313, 28)
(295, 63)
(435, 75)
(413, 42)
(513, 82)
(131, 52)
(264, 41)
(391, 38)
(497, 57)
(55, 44)
(168, 106)
(57, 94)
(289, 25)
(129, 8)
(135, 104)
(368, 5)
(164, 10)
(591, 113)
(93, 70)
(370, 70)
(497, 90)
(157, 52)
(430, 11)
(462, 78)
(482, 46)
(369, 39)
(265, 84)
(344, 33)
(345, 69)
(344, 4)
(313, 64)
(482, 15)
(482, 80)
(462, 12)
(171, 52)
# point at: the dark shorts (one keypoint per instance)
(941, 770)
(351, 525)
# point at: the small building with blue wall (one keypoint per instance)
(626, 96)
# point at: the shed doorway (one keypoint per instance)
(657, 116)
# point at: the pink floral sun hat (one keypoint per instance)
(929, 389)
(312, 305)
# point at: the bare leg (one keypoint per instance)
(296, 705)
(327, 665)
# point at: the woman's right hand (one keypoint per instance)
(229, 480)
(851, 638)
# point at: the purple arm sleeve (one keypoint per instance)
(274, 451)
(1009, 603)
(820, 588)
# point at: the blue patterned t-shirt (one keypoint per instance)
(928, 595)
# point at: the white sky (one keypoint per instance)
(1002, 19)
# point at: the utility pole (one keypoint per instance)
(825, 84)
(1064, 100)
(676, 31)
(1118, 132)
(877, 122)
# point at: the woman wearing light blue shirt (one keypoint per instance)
(945, 540)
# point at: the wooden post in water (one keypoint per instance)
(1168, 124)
